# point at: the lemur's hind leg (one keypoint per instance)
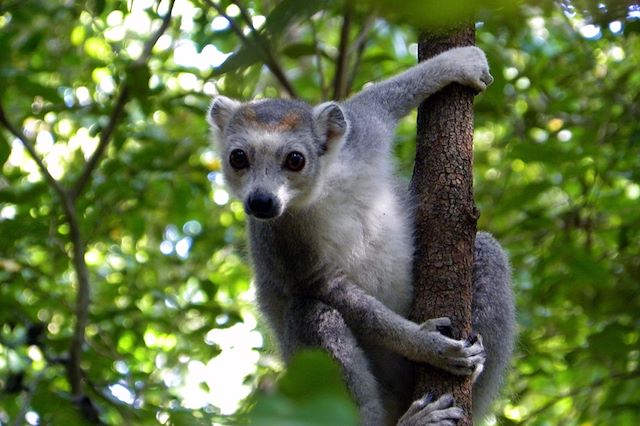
(331, 333)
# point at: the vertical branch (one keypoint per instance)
(82, 300)
(74, 369)
(446, 215)
(340, 77)
(358, 49)
(103, 143)
(118, 109)
(319, 67)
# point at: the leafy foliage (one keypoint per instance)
(319, 398)
(172, 336)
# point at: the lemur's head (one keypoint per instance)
(276, 153)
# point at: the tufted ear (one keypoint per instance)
(221, 111)
(330, 123)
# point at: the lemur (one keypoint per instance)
(331, 241)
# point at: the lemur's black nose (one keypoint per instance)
(262, 205)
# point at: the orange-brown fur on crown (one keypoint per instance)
(289, 122)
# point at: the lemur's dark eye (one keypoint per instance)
(294, 162)
(238, 159)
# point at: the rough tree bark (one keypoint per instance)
(446, 215)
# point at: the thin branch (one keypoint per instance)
(357, 49)
(83, 292)
(340, 77)
(245, 16)
(272, 61)
(234, 27)
(32, 153)
(118, 109)
(148, 47)
(105, 138)
(257, 43)
(320, 68)
(83, 299)
(578, 390)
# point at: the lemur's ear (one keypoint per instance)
(330, 123)
(220, 111)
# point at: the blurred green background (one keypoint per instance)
(171, 335)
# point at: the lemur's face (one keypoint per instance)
(270, 169)
(273, 158)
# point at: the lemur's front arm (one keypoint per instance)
(401, 94)
(372, 319)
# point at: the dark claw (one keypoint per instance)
(471, 340)
(429, 398)
(445, 330)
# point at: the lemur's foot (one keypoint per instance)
(460, 357)
(427, 412)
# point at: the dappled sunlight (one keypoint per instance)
(171, 334)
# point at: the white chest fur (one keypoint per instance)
(365, 232)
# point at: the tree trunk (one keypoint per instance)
(446, 215)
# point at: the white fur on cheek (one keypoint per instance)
(284, 196)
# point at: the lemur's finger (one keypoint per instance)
(486, 78)
(419, 404)
(426, 411)
(443, 423)
(476, 373)
(469, 363)
(445, 401)
(473, 347)
(443, 417)
(451, 346)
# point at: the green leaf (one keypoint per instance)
(289, 11)
(311, 392)
(297, 50)
(243, 58)
(548, 152)
(138, 76)
(56, 409)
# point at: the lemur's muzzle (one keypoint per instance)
(262, 205)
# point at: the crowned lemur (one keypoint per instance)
(331, 241)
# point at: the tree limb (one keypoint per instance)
(83, 299)
(357, 49)
(105, 139)
(118, 109)
(67, 200)
(256, 42)
(340, 77)
(319, 67)
(273, 63)
(533, 415)
(148, 47)
(53, 182)
(445, 215)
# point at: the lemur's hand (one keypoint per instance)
(469, 66)
(459, 357)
